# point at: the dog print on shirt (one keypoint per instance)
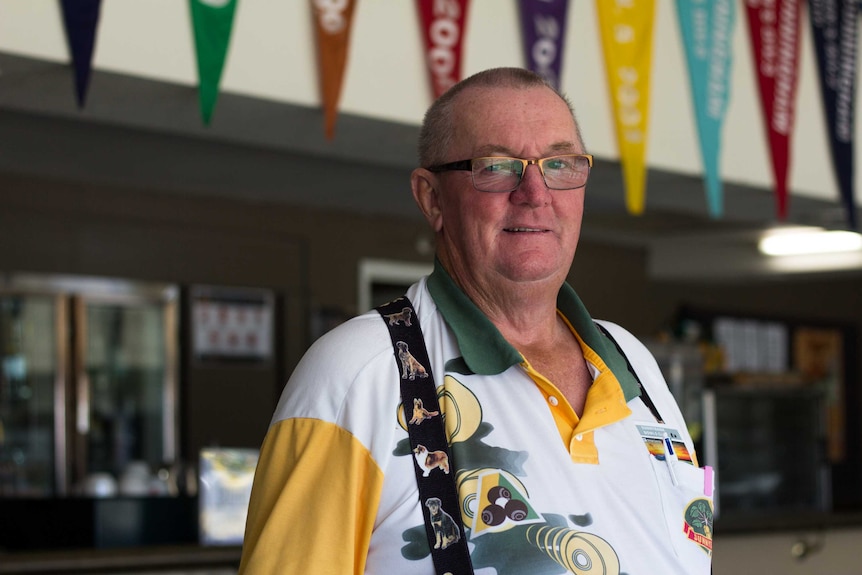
(428, 461)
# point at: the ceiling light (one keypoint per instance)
(809, 241)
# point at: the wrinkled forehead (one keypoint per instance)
(512, 120)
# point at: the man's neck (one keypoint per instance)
(524, 312)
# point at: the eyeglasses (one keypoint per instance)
(500, 174)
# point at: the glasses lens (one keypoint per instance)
(566, 172)
(497, 174)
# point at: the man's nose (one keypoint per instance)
(532, 189)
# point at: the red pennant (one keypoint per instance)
(332, 19)
(774, 30)
(443, 31)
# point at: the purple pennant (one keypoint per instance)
(80, 18)
(543, 24)
(834, 24)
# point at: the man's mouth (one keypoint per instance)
(521, 230)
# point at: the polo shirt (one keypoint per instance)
(542, 490)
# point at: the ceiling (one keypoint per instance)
(136, 132)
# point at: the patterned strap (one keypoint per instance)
(438, 494)
(644, 395)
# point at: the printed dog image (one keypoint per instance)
(420, 414)
(409, 365)
(430, 460)
(401, 317)
(445, 530)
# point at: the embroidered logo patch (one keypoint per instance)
(697, 523)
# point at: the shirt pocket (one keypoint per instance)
(686, 495)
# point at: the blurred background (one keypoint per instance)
(163, 266)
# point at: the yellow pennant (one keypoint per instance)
(626, 29)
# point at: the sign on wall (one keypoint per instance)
(231, 323)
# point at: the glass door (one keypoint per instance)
(32, 392)
(125, 363)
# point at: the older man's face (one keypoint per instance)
(530, 234)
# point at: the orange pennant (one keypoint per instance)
(332, 20)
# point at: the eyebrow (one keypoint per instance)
(493, 149)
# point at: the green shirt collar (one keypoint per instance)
(486, 352)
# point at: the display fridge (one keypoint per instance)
(88, 385)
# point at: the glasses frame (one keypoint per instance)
(467, 166)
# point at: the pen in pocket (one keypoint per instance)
(708, 481)
(670, 458)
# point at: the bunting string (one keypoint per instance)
(626, 29)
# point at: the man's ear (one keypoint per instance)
(423, 182)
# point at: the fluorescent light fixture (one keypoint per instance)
(806, 241)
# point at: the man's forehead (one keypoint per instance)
(483, 115)
(501, 94)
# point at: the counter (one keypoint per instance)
(187, 559)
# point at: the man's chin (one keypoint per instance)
(528, 271)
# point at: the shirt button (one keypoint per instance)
(553, 400)
(579, 437)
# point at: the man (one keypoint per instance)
(559, 459)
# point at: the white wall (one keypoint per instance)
(272, 56)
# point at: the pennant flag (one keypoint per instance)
(835, 40)
(774, 30)
(626, 29)
(80, 19)
(707, 34)
(543, 24)
(443, 31)
(333, 19)
(212, 22)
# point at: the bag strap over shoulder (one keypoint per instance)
(438, 493)
(644, 395)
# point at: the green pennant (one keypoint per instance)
(212, 22)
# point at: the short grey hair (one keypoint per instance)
(435, 137)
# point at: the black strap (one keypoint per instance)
(435, 474)
(644, 395)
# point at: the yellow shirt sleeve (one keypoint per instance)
(313, 503)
